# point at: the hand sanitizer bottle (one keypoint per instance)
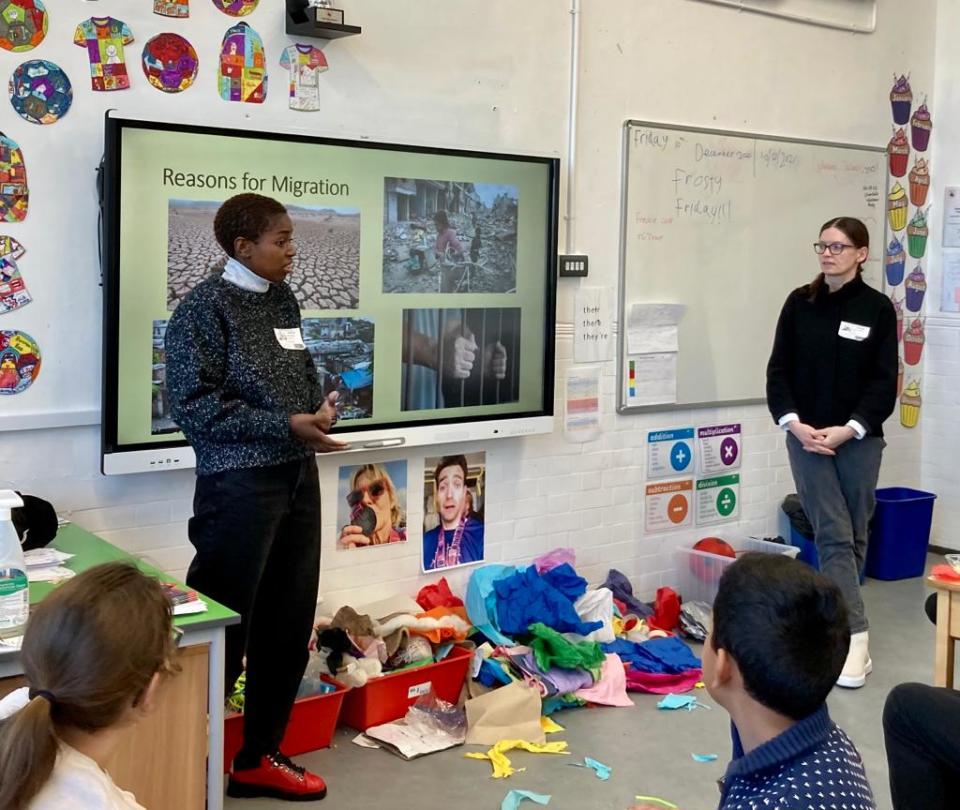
(14, 589)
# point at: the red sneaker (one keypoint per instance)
(276, 777)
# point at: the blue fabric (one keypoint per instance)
(526, 598)
(669, 656)
(567, 581)
(812, 758)
(491, 674)
(481, 602)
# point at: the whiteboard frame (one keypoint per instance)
(628, 124)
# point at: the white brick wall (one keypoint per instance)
(542, 493)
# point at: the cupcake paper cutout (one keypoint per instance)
(917, 233)
(910, 404)
(898, 308)
(899, 376)
(901, 99)
(896, 262)
(920, 126)
(919, 182)
(916, 287)
(897, 207)
(899, 152)
(913, 343)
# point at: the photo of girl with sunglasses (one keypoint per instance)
(371, 505)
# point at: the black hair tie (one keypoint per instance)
(43, 693)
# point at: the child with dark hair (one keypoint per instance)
(92, 672)
(244, 390)
(779, 640)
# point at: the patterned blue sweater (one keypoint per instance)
(232, 385)
(811, 766)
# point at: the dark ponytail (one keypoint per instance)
(856, 232)
(90, 650)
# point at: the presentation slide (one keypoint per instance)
(423, 277)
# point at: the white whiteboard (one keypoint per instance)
(724, 223)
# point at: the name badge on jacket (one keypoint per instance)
(853, 331)
(289, 338)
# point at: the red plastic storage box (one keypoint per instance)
(388, 697)
(311, 726)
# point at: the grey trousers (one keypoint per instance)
(838, 497)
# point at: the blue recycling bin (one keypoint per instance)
(808, 549)
(900, 533)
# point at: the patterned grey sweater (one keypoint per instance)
(232, 385)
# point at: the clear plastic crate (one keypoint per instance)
(699, 572)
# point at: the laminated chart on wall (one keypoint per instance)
(305, 63)
(718, 499)
(172, 8)
(19, 361)
(104, 38)
(667, 505)
(670, 452)
(592, 325)
(170, 63)
(719, 448)
(14, 194)
(13, 290)
(242, 75)
(236, 8)
(40, 92)
(23, 24)
(582, 404)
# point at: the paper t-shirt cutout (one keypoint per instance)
(14, 195)
(13, 291)
(19, 361)
(172, 8)
(305, 63)
(242, 75)
(236, 8)
(23, 24)
(40, 92)
(170, 63)
(104, 38)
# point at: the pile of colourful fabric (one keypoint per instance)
(540, 625)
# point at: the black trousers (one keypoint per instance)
(257, 538)
(923, 747)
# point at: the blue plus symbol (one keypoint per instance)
(680, 456)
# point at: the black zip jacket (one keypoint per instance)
(826, 378)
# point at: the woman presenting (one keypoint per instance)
(831, 383)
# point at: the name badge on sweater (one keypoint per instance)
(853, 331)
(289, 338)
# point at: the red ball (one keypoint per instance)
(714, 545)
(707, 570)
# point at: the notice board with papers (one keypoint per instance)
(716, 229)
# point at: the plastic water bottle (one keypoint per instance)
(14, 588)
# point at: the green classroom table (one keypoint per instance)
(198, 629)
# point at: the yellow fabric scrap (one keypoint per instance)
(550, 726)
(501, 764)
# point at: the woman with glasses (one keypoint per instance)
(831, 384)
(91, 674)
(376, 516)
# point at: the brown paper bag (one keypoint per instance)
(511, 712)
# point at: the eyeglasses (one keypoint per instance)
(176, 634)
(835, 248)
(375, 489)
